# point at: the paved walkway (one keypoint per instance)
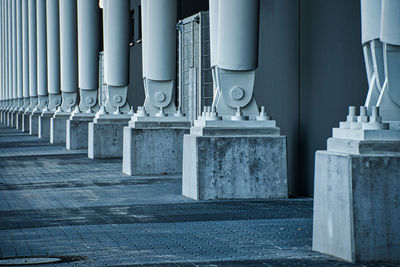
(55, 202)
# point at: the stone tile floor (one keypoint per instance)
(55, 202)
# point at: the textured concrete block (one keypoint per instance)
(58, 129)
(13, 115)
(34, 123)
(44, 126)
(357, 206)
(105, 139)
(153, 150)
(77, 133)
(216, 167)
(25, 122)
(19, 120)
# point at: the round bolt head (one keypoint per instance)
(237, 93)
(70, 101)
(117, 99)
(89, 100)
(160, 97)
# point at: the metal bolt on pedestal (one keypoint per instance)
(363, 115)
(239, 115)
(161, 112)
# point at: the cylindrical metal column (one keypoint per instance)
(9, 53)
(161, 40)
(144, 37)
(19, 51)
(88, 44)
(32, 49)
(370, 20)
(214, 4)
(41, 47)
(25, 48)
(238, 34)
(68, 46)
(116, 65)
(14, 49)
(53, 47)
(390, 23)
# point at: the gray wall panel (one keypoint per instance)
(332, 75)
(277, 76)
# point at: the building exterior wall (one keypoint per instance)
(310, 69)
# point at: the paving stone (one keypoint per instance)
(57, 203)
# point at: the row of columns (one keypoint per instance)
(40, 40)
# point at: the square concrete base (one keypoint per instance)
(34, 123)
(19, 120)
(25, 122)
(105, 139)
(13, 119)
(153, 151)
(9, 118)
(225, 167)
(357, 206)
(58, 128)
(77, 132)
(44, 125)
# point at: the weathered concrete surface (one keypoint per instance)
(216, 167)
(25, 122)
(105, 139)
(357, 206)
(58, 129)
(13, 115)
(34, 123)
(153, 151)
(19, 120)
(44, 125)
(77, 133)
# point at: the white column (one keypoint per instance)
(2, 58)
(88, 52)
(236, 58)
(41, 53)
(32, 53)
(53, 54)
(159, 44)
(25, 53)
(14, 53)
(9, 54)
(116, 51)
(68, 53)
(19, 54)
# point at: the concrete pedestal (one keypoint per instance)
(25, 121)
(44, 124)
(34, 123)
(58, 127)
(153, 151)
(357, 205)
(105, 138)
(14, 118)
(19, 120)
(77, 131)
(224, 167)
